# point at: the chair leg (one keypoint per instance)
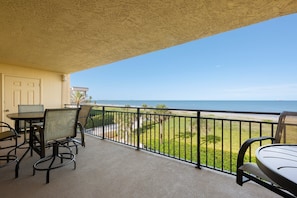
(239, 176)
(76, 148)
(10, 159)
(53, 157)
(17, 166)
(47, 176)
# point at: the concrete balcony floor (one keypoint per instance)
(105, 169)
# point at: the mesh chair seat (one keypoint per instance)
(6, 135)
(253, 169)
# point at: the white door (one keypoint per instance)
(19, 90)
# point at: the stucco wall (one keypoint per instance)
(54, 86)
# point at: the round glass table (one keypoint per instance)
(279, 163)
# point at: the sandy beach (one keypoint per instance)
(242, 116)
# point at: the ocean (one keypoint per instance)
(273, 106)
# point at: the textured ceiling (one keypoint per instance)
(72, 35)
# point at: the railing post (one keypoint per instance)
(198, 139)
(103, 122)
(138, 128)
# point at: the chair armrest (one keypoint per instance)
(38, 127)
(37, 141)
(240, 157)
(246, 145)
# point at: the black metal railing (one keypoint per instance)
(201, 137)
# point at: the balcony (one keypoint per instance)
(106, 169)
(118, 162)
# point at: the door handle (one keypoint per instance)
(6, 110)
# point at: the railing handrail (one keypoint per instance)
(190, 110)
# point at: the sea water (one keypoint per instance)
(276, 106)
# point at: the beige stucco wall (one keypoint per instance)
(54, 86)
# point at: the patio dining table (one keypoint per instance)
(25, 116)
(279, 163)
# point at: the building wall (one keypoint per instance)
(82, 90)
(54, 86)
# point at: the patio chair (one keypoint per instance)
(58, 126)
(84, 115)
(286, 133)
(8, 133)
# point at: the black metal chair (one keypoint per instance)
(8, 133)
(84, 115)
(59, 125)
(286, 133)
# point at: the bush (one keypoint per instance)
(97, 119)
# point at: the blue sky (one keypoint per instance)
(258, 62)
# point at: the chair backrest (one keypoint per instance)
(29, 108)
(286, 131)
(60, 123)
(84, 114)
